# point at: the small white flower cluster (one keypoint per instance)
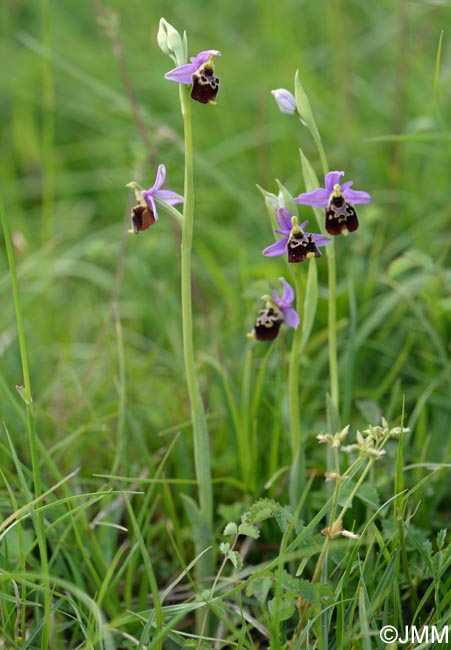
(337, 529)
(334, 440)
(383, 431)
(366, 445)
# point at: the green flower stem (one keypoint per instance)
(37, 516)
(321, 152)
(199, 423)
(335, 520)
(48, 126)
(332, 325)
(297, 475)
(332, 304)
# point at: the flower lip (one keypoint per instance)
(289, 228)
(277, 310)
(142, 218)
(205, 84)
(267, 324)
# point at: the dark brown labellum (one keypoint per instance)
(300, 247)
(267, 325)
(340, 216)
(142, 218)
(205, 85)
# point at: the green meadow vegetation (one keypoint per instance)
(319, 512)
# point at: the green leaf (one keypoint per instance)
(249, 530)
(260, 510)
(235, 559)
(282, 517)
(441, 538)
(369, 495)
(259, 587)
(230, 529)
(287, 199)
(303, 105)
(200, 531)
(315, 593)
(311, 183)
(271, 199)
(310, 178)
(261, 515)
(224, 547)
(282, 609)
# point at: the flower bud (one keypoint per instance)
(170, 42)
(285, 101)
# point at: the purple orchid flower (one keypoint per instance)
(277, 311)
(145, 214)
(183, 74)
(285, 101)
(296, 242)
(337, 200)
(199, 73)
(285, 304)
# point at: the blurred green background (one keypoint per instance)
(69, 146)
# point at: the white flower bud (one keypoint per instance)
(285, 101)
(170, 42)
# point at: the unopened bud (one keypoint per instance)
(285, 101)
(170, 42)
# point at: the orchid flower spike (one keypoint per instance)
(338, 202)
(199, 73)
(296, 242)
(277, 311)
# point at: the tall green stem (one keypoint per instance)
(37, 517)
(199, 423)
(297, 476)
(48, 126)
(332, 308)
(332, 325)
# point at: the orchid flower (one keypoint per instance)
(338, 202)
(199, 73)
(277, 311)
(296, 242)
(145, 213)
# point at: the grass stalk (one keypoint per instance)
(48, 127)
(25, 392)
